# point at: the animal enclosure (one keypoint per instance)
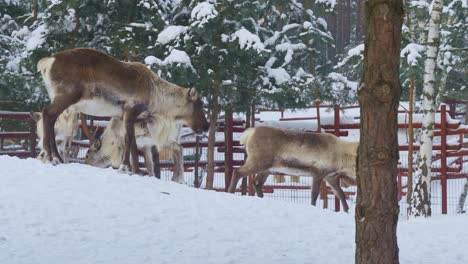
(449, 167)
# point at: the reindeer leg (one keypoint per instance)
(177, 156)
(148, 161)
(130, 143)
(259, 181)
(333, 181)
(49, 116)
(130, 116)
(248, 168)
(316, 182)
(156, 163)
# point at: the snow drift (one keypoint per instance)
(74, 213)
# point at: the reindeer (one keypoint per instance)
(98, 84)
(65, 129)
(321, 156)
(107, 150)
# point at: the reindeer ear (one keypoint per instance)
(192, 94)
(36, 116)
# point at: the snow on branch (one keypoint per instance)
(340, 82)
(202, 13)
(356, 51)
(289, 48)
(170, 33)
(247, 40)
(413, 52)
(176, 57)
(330, 3)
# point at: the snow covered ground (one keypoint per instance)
(74, 213)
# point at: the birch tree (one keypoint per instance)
(421, 200)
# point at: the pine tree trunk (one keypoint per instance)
(339, 27)
(442, 88)
(466, 122)
(348, 22)
(421, 200)
(379, 92)
(34, 10)
(410, 144)
(360, 20)
(212, 133)
(331, 51)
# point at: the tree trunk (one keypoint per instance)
(442, 88)
(466, 122)
(228, 146)
(34, 10)
(339, 28)
(212, 134)
(348, 22)
(331, 22)
(247, 125)
(421, 200)
(410, 144)
(360, 21)
(379, 92)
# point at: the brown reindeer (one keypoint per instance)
(98, 84)
(321, 156)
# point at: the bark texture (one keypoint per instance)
(377, 194)
(421, 200)
(410, 144)
(212, 135)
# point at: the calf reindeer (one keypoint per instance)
(100, 85)
(65, 129)
(321, 156)
(108, 149)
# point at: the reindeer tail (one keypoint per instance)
(246, 135)
(44, 64)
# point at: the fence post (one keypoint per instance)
(228, 126)
(443, 154)
(337, 133)
(32, 139)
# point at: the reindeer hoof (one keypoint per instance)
(178, 180)
(55, 161)
(125, 169)
(178, 177)
(42, 156)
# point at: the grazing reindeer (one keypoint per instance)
(98, 84)
(321, 156)
(65, 129)
(108, 149)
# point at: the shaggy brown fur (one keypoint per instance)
(97, 84)
(321, 156)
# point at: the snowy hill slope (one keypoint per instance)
(79, 214)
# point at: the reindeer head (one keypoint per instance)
(194, 115)
(105, 151)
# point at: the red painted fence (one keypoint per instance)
(231, 149)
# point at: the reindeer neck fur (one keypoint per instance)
(158, 131)
(348, 153)
(167, 99)
(163, 130)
